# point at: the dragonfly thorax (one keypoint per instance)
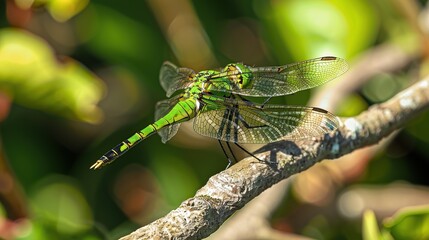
(198, 87)
(201, 83)
(238, 74)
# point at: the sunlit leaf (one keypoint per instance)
(60, 10)
(63, 10)
(31, 75)
(370, 229)
(409, 223)
(25, 4)
(305, 29)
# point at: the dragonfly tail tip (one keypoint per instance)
(97, 165)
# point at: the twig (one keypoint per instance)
(231, 189)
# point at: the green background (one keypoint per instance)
(56, 128)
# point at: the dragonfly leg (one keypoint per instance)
(234, 159)
(230, 161)
(246, 151)
(233, 116)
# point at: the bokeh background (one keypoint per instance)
(77, 77)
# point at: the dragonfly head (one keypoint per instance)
(239, 74)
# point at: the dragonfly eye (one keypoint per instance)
(242, 75)
(234, 72)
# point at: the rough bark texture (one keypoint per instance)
(231, 189)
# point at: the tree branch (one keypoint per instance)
(231, 189)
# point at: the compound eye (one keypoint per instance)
(243, 75)
(229, 68)
(239, 80)
(235, 74)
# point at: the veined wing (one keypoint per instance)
(244, 122)
(283, 80)
(173, 78)
(161, 109)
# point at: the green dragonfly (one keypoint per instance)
(215, 100)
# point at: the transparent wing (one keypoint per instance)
(161, 109)
(284, 80)
(173, 78)
(244, 122)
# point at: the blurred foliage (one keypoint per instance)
(327, 27)
(369, 227)
(358, 103)
(408, 223)
(114, 50)
(31, 76)
(59, 9)
(411, 222)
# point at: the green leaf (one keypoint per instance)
(60, 10)
(370, 229)
(305, 29)
(31, 75)
(409, 223)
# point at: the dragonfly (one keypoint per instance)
(216, 101)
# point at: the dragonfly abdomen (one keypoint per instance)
(183, 111)
(123, 147)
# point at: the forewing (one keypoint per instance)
(173, 78)
(287, 79)
(242, 122)
(161, 109)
